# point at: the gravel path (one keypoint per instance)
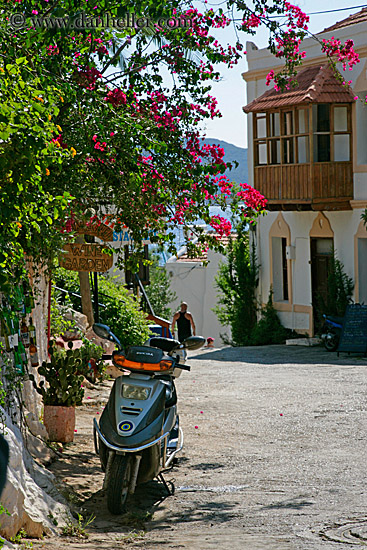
(274, 459)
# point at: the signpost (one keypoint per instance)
(88, 257)
(85, 257)
(354, 333)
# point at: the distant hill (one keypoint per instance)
(232, 153)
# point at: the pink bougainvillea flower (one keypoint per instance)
(281, 414)
(196, 427)
(201, 412)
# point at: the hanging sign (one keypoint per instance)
(94, 229)
(85, 257)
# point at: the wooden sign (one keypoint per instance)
(354, 333)
(85, 257)
(95, 229)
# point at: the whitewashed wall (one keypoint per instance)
(195, 285)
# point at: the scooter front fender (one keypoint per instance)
(123, 449)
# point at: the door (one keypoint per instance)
(321, 252)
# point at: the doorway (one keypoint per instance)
(321, 254)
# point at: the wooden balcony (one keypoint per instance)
(318, 186)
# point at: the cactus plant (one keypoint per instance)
(61, 374)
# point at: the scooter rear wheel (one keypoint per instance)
(118, 484)
(331, 341)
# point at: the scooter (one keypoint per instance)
(331, 332)
(138, 434)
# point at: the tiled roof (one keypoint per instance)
(359, 17)
(185, 258)
(316, 84)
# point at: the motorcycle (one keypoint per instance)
(138, 434)
(331, 332)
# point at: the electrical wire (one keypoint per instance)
(316, 12)
(338, 9)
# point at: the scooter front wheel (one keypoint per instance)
(118, 484)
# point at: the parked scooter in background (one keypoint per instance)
(331, 332)
(138, 434)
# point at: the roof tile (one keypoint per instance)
(316, 84)
(224, 240)
(359, 17)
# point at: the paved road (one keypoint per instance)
(275, 457)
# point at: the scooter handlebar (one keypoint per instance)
(183, 367)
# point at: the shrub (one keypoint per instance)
(121, 312)
(269, 329)
(60, 304)
(339, 292)
(237, 279)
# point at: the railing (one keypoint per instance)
(305, 183)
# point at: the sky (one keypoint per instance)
(231, 91)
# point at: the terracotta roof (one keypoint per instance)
(185, 258)
(316, 84)
(359, 17)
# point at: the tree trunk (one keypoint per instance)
(87, 307)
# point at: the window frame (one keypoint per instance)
(295, 134)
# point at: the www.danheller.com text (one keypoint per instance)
(84, 21)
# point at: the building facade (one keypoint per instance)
(193, 281)
(308, 156)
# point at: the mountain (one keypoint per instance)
(232, 153)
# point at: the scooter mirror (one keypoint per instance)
(194, 342)
(103, 331)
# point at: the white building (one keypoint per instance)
(194, 283)
(308, 156)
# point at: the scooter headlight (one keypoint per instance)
(135, 392)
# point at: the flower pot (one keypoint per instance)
(60, 423)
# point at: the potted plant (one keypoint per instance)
(62, 393)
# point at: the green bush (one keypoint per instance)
(60, 304)
(237, 280)
(339, 289)
(269, 329)
(121, 312)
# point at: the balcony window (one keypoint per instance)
(300, 135)
(303, 149)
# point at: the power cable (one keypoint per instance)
(316, 12)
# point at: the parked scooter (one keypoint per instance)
(331, 332)
(138, 434)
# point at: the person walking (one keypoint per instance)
(185, 323)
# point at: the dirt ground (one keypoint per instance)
(274, 459)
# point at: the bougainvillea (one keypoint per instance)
(103, 118)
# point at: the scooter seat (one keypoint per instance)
(334, 319)
(165, 344)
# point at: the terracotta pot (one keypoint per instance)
(60, 423)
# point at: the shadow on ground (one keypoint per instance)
(281, 354)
